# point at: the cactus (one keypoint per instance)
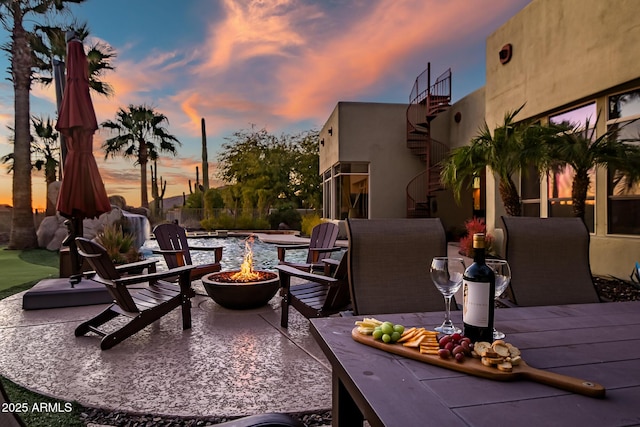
(205, 160)
(158, 196)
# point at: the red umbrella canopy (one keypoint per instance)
(82, 193)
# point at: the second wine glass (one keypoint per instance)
(446, 273)
(503, 277)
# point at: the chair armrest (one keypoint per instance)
(147, 263)
(168, 251)
(205, 248)
(216, 249)
(166, 274)
(289, 271)
(333, 249)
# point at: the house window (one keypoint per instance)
(623, 200)
(560, 181)
(351, 196)
(326, 194)
(530, 189)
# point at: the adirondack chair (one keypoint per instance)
(321, 244)
(549, 260)
(8, 416)
(174, 247)
(318, 296)
(389, 264)
(143, 305)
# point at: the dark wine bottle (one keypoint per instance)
(479, 288)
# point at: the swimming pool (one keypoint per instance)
(265, 255)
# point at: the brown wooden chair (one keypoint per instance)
(318, 296)
(389, 263)
(321, 244)
(142, 305)
(549, 260)
(174, 247)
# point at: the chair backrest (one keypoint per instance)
(389, 263)
(339, 296)
(99, 259)
(173, 237)
(323, 235)
(549, 260)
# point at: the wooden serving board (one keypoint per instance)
(474, 367)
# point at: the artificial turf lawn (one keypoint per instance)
(20, 267)
(21, 270)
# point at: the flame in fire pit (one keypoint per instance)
(246, 273)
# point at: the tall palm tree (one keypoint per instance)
(575, 145)
(45, 150)
(509, 150)
(50, 44)
(139, 129)
(13, 15)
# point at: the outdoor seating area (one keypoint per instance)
(208, 360)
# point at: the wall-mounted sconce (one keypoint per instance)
(322, 142)
(457, 117)
(505, 53)
(330, 131)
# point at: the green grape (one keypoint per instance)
(377, 334)
(387, 328)
(386, 337)
(395, 336)
(398, 328)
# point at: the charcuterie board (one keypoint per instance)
(474, 367)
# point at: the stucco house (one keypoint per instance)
(569, 59)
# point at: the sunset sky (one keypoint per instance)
(276, 64)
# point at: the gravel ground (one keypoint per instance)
(96, 417)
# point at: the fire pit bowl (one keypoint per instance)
(239, 295)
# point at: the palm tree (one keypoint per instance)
(139, 128)
(575, 145)
(509, 150)
(45, 149)
(50, 44)
(13, 14)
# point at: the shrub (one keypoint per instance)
(286, 215)
(308, 222)
(119, 245)
(473, 226)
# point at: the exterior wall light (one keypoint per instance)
(505, 53)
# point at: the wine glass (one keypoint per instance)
(446, 273)
(503, 277)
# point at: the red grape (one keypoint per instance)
(459, 357)
(444, 353)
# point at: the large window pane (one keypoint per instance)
(623, 207)
(560, 182)
(352, 190)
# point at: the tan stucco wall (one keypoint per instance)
(566, 53)
(563, 51)
(374, 133)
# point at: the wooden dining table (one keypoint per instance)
(598, 343)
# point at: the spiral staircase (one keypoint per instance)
(426, 102)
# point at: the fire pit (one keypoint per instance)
(242, 289)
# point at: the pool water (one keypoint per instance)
(265, 255)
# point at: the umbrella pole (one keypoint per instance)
(74, 227)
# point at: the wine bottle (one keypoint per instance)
(479, 287)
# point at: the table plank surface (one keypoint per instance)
(596, 342)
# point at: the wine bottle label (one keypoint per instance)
(477, 298)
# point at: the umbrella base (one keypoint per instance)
(58, 293)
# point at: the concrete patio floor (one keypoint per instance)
(231, 363)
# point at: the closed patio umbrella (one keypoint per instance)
(82, 193)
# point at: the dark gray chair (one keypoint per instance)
(388, 265)
(549, 260)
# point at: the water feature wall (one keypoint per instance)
(139, 226)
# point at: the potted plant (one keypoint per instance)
(119, 245)
(473, 226)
